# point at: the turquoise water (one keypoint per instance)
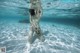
(60, 24)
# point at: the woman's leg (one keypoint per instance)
(30, 38)
(39, 34)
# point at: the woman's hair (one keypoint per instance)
(32, 12)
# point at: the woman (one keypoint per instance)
(35, 12)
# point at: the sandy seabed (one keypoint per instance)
(58, 38)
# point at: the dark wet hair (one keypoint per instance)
(32, 12)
